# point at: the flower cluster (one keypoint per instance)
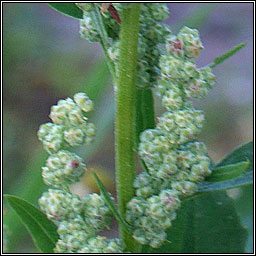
(78, 219)
(175, 161)
(152, 35)
(69, 125)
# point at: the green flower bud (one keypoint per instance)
(207, 75)
(186, 188)
(59, 205)
(83, 101)
(145, 191)
(113, 51)
(158, 11)
(87, 29)
(63, 168)
(74, 136)
(191, 41)
(59, 113)
(172, 100)
(101, 244)
(136, 207)
(175, 46)
(159, 239)
(51, 135)
(113, 246)
(74, 234)
(170, 198)
(139, 236)
(171, 66)
(97, 213)
(185, 159)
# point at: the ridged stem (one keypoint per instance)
(125, 132)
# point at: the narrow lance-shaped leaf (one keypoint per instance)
(228, 172)
(110, 203)
(242, 154)
(42, 230)
(227, 55)
(69, 9)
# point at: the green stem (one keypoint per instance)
(125, 132)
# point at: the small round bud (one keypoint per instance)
(59, 205)
(186, 188)
(97, 213)
(62, 169)
(51, 135)
(191, 41)
(83, 101)
(74, 234)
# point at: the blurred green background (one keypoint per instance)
(44, 59)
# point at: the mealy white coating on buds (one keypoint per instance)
(59, 205)
(52, 137)
(70, 126)
(78, 220)
(96, 211)
(152, 33)
(73, 234)
(63, 168)
(101, 244)
(176, 163)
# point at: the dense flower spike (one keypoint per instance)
(174, 160)
(152, 35)
(78, 220)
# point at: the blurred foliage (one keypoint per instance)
(44, 59)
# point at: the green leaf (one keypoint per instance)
(243, 153)
(69, 9)
(110, 203)
(227, 55)
(42, 230)
(239, 154)
(228, 172)
(206, 224)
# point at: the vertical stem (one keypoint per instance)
(125, 114)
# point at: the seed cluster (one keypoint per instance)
(78, 219)
(152, 36)
(175, 161)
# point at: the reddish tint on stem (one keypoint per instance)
(113, 12)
